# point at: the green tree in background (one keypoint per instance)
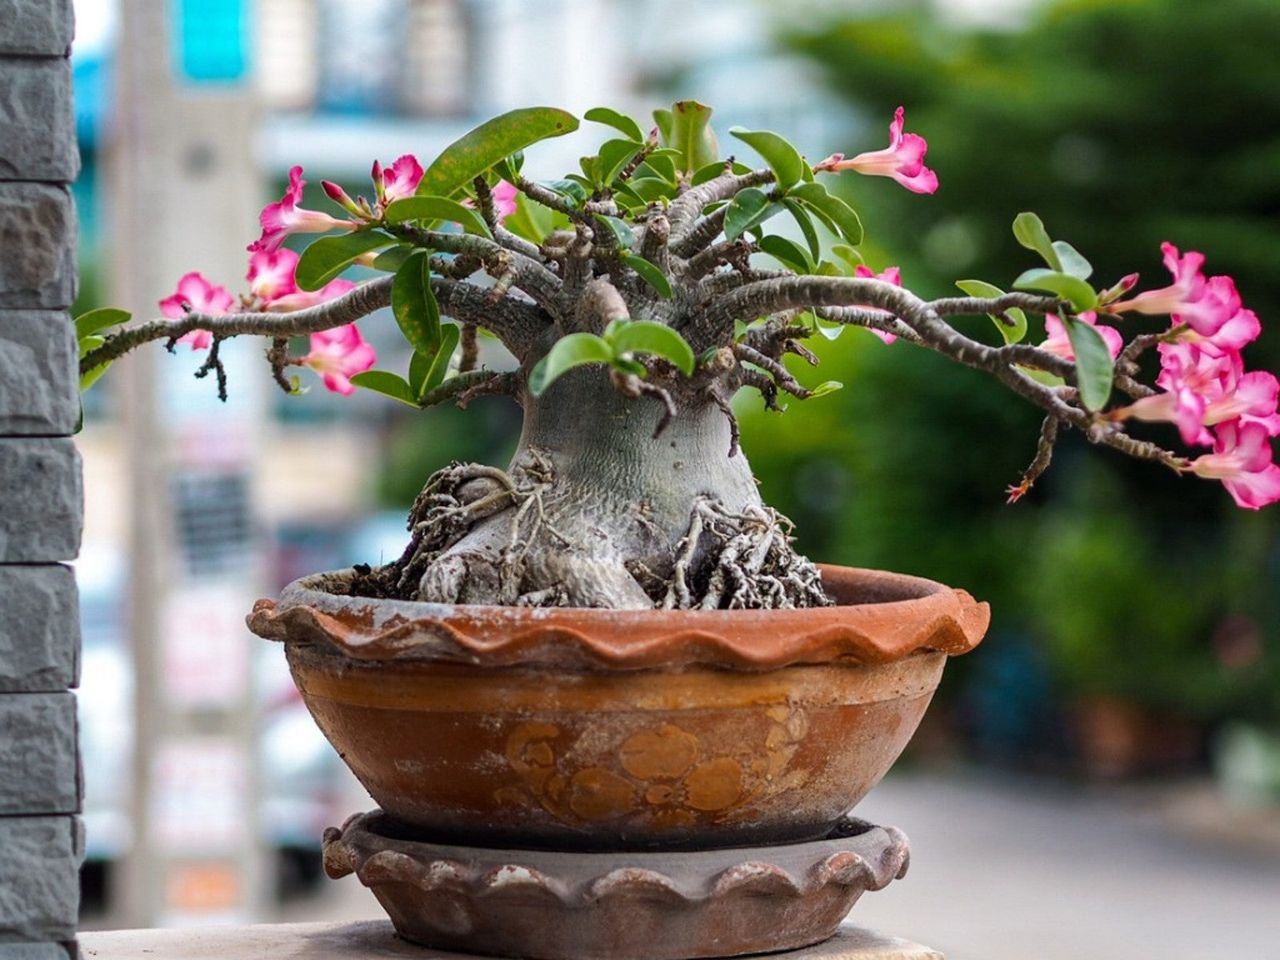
(1122, 125)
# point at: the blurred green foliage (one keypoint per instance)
(1122, 125)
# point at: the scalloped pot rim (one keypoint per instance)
(880, 617)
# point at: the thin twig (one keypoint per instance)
(1044, 455)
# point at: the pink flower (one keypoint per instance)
(1122, 286)
(1233, 336)
(1203, 390)
(888, 275)
(1059, 343)
(195, 293)
(339, 196)
(1241, 459)
(338, 355)
(1205, 305)
(399, 180)
(504, 200)
(1252, 399)
(903, 159)
(301, 299)
(270, 274)
(285, 217)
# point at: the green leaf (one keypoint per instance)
(801, 216)
(1073, 262)
(980, 288)
(387, 383)
(661, 166)
(1028, 230)
(822, 389)
(571, 190)
(492, 141)
(630, 201)
(566, 353)
(691, 135)
(613, 156)
(747, 208)
(788, 253)
(427, 371)
(849, 255)
(508, 168)
(95, 320)
(649, 274)
(665, 121)
(531, 221)
(389, 261)
(783, 159)
(327, 257)
(620, 229)
(707, 172)
(633, 367)
(1095, 369)
(90, 377)
(645, 336)
(844, 217)
(1071, 288)
(414, 304)
(650, 189)
(437, 208)
(619, 121)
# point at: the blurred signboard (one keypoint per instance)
(210, 40)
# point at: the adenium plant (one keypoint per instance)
(638, 296)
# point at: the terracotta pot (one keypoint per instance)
(616, 906)
(595, 729)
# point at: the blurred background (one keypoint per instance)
(1102, 778)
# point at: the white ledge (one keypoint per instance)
(375, 940)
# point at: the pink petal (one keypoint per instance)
(1241, 329)
(401, 179)
(926, 181)
(197, 339)
(338, 383)
(271, 274)
(1253, 491)
(504, 200)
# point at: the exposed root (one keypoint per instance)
(738, 561)
(726, 560)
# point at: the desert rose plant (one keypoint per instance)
(638, 296)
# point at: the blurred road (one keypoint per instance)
(1011, 869)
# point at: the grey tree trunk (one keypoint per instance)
(603, 504)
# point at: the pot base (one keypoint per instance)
(560, 905)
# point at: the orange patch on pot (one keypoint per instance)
(714, 785)
(664, 754)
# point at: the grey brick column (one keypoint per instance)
(40, 486)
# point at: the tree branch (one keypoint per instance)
(870, 319)
(771, 296)
(688, 207)
(956, 306)
(701, 234)
(516, 323)
(348, 308)
(527, 273)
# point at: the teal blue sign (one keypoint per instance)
(211, 39)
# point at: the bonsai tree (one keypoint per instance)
(638, 296)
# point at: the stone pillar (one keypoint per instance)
(40, 486)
